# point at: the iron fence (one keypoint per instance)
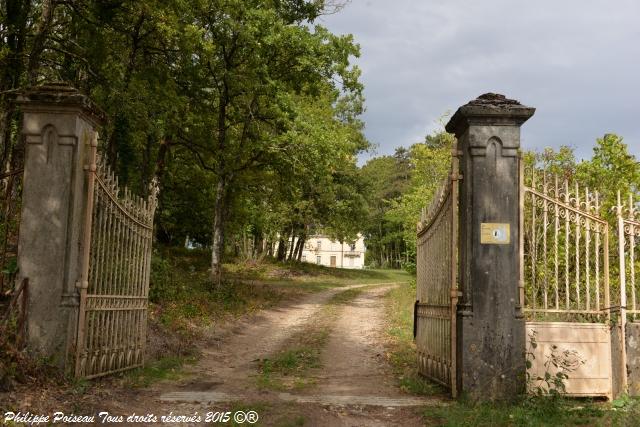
(436, 283)
(116, 266)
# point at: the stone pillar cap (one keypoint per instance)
(62, 95)
(489, 109)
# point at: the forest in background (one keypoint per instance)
(247, 113)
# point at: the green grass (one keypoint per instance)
(525, 411)
(166, 368)
(296, 421)
(289, 368)
(537, 411)
(402, 349)
(184, 294)
(184, 300)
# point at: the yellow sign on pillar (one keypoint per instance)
(492, 233)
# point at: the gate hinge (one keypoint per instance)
(82, 284)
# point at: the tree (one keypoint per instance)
(387, 179)
(431, 162)
(611, 169)
(253, 60)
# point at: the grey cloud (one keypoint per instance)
(577, 62)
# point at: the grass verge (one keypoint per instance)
(537, 411)
(165, 368)
(526, 411)
(401, 349)
(183, 304)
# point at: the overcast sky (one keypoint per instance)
(576, 61)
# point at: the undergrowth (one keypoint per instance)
(541, 410)
(165, 368)
(184, 295)
(401, 346)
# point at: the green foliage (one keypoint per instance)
(402, 349)
(612, 169)
(399, 187)
(245, 111)
(387, 178)
(558, 365)
(430, 163)
(162, 369)
(525, 412)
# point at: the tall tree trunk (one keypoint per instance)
(293, 236)
(303, 239)
(217, 245)
(294, 246)
(282, 249)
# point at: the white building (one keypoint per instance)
(323, 251)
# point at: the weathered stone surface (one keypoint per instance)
(58, 126)
(490, 109)
(52, 95)
(633, 357)
(490, 329)
(616, 362)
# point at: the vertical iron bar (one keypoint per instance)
(567, 232)
(623, 293)
(556, 231)
(587, 250)
(455, 176)
(632, 249)
(83, 283)
(521, 231)
(578, 233)
(545, 222)
(534, 245)
(598, 232)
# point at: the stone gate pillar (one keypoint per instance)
(490, 325)
(58, 126)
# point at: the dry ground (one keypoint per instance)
(339, 376)
(352, 385)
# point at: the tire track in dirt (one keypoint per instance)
(228, 362)
(354, 387)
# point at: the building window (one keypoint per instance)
(318, 260)
(304, 258)
(353, 246)
(319, 245)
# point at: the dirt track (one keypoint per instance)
(353, 386)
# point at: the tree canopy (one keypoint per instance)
(245, 111)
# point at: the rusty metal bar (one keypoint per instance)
(623, 292)
(545, 224)
(453, 244)
(83, 283)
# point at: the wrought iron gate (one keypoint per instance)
(115, 278)
(566, 280)
(437, 289)
(628, 224)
